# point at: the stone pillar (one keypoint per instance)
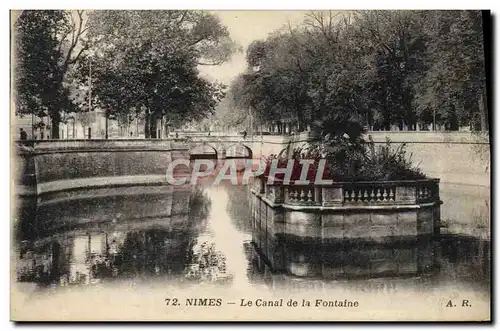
(221, 155)
(331, 196)
(275, 193)
(406, 194)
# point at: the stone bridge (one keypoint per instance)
(234, 146)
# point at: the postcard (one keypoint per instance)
(196, 165)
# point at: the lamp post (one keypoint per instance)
(106, 115)
(90, 56)
(90, 83)
(434, 120)
(33, 126)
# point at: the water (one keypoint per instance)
(190, 237)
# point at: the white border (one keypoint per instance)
(189, 4)
(255, 4)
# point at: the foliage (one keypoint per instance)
(351, 161)
(199, 33)
(374, 69)
(454, 85)
(138, 61)
(388, 163)
(148, 60)
(36, 57)
(47, 44)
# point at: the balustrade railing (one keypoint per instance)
(301, 195)
(384, 193)
(350, 193)
(427, 192)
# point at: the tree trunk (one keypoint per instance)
(127, 133)
(55, 119)
(147, 119)
(106, 114)
(453, 121)
(483, 111)
(161, 128)
(166, 128)
(153, 126)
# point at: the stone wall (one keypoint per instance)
(337, 245)
(454, 157)
(462, 162)
(62, 165)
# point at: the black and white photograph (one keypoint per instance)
(250, 165)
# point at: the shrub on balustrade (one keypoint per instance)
(366, 162)
(351, 161)
(297, 155)
(388, 163)
(344, 156)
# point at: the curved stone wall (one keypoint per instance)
(48, 166)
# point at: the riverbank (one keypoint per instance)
(465, 210)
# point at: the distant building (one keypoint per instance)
(84, 125)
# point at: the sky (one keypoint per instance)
(245, 27)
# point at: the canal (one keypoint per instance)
(194, 236)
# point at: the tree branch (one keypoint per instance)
(76, 34)
(61, 42)
(72, 28)
(83, 49)
(199, 40)
(210, 63)
(185, 12)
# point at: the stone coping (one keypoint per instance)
(277, 182)
(343, 208)
(93, 182)
(372, 195)
(81, 146)
(36, 147)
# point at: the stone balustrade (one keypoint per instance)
(350, 194)
(379, 211)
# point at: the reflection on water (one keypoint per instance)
(192, 235)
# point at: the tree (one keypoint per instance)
(369, 68)
(47, 44)
(273, 88)
(150, 61)
(394, 47)
(305, 76)
(454, 86)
